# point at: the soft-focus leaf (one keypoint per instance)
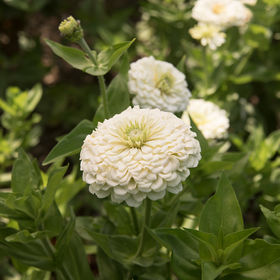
(273, 220)
(222, 211)
(71, 143)
(53, 183)
(24, 176)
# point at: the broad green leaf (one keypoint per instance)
(258, 253)
(273, 220)
(121, 248)
(24, 176)
(53, 183)
(222, 211)
(73, 56)
(211, 272)
(32, 253)
(184, 269)
(71, 143)
(208, 244)
(259, 258)
(233, 244)
(179, 241)
(64, 237)
(108, 268)
(25, 236)
(74, 263)
(107, 58)
(120, 218)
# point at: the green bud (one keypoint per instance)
(71, 29)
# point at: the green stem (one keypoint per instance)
(146, 223)
(102, 87)
(134, 219)
(83, 44)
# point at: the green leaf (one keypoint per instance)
(25, 236)
(71, 143)
(118, 99)
(179, 241)
(258, 36)
(181, 65)
(108, 268)
(53, 183)
(32, 253)
(107, 58)
(185, 252)
(79, 60)
(273, 219)
(24, 175)
(33, 98)
(211, 272)
(121, 248)
(118, 95)
(75, 57)
(64, 237)
(258, 253)
(74, 263)
(233, 244)
(208, 244)
(222, 212)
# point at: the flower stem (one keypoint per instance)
(146, 223)
(83, 44)
(134, 219)
(102, 87)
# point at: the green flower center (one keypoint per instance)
(165, 83)
(135, 136)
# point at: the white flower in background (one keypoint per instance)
(158, 84)
(137, 154)
(209, 118)
(223, 13)
(208, 34)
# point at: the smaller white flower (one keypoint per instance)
(158, 84)
(208, 34)
(209, 118)
(223, 13)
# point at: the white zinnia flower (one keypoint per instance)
(223, 13)
(209, 118)
(137, 154)
(208, 34)
(158, 84)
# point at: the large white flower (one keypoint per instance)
(137, 154)
(224, 13)
(158, 84)
(208, 34)
(209, 118)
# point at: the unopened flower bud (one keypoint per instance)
(71, 29)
